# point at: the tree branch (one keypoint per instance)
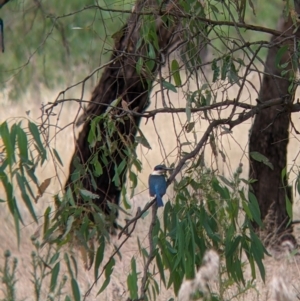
(150, 114)
(138, 215)
(151, 251)
(152, 11)
(231, 123)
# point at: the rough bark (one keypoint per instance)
(270, 136)
(119, 80)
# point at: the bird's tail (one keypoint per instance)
(159, 201)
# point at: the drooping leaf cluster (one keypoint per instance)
(206, 214)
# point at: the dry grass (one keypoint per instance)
(162, 133)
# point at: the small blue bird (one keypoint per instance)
(158, 183)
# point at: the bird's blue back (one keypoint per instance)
(157, 187)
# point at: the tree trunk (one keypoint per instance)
(270, 135)
(121, 89)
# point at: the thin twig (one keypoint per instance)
(151, 251)
(180, 15)
(152, 113)
(138, 215)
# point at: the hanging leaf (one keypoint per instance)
(133, 178)
(139, 65)
(216, 70)
(36, 136)
(261, 158)
(297, 184)
(54, 276)
(57, 156)
(252, 7)
(112, 105)
(189, 126)
(169, 86)
(160, 268)
(74, 261)
(21, 180)
(70, 222)
(142, 140)
(258, 251)
(254, 209)
(289, 207)
(279, 55)
(108, 272)
(42, 188)
(225, 67)
(5, 135)
(47, 219)
(150, 63)
(99, 257)
(175, 72)
(132, 281)
(67, 260)
(22, 144)
(88, 194)
(17, 226)
(98, 171)
(75, 290)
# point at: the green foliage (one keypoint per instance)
(46, 268)
(99, 256)
(75, 290)
(261, 158)
(108, 271)
(44, 41)
(209, 211)
(24, 151)
(206, 215)
(8, 276)
(132, 281)
(101, 158)
(264, 13)
(176, 73)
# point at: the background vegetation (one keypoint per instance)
(54, 43)
(57, 43)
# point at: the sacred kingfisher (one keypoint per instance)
(158, 183)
